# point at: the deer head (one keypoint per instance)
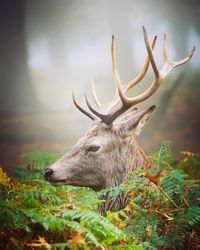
(108, 151)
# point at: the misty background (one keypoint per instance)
(49, 48)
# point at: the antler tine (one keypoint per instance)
(97, 102)
(139, 77)
(165, 50)
(114, 61)
(81, 109)
(169, 64)
(133, 82)
(115, 71)
(101, 116)
(186, 59)
(150, 52)
(143, 72)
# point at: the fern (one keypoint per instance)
(164, 158)
(163, 212)
(10, 216)
(104, 230)
(35, 162)
(192, 214)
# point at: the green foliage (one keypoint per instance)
(164, 158)
(32, 208)
(165, 205)
(163, 213)
(35, 162)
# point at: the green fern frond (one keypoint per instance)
(97, 224)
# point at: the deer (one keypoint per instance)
(108, 152)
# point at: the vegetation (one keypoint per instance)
(163, 212)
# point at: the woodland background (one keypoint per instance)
(50, 47)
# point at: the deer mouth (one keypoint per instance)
(58, 182)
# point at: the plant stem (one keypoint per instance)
(167, 196)
(186, 202)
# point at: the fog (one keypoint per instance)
(68, 41)
(49, 48)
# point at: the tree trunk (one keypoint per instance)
(16, 93)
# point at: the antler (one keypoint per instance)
(81, 109)
(160, 75)
(126, 87)
(97, 102)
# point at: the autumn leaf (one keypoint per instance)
(122, 243)
(4, 179)
(163, 215)
(41, 242)
(14, 241)
(78, 238)
(187, 153)
(153, 178)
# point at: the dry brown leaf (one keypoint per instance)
(41, 242)
(153, 178)
(78, 238)
(163, 215)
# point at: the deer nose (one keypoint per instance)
(48, 173)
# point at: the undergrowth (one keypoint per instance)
(163, 212)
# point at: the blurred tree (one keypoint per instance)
(16, 93)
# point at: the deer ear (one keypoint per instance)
(143, 120)
(136, 123)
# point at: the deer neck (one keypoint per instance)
(143, 160)
(130, 158)
(135, 159)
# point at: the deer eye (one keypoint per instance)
(93, 148)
